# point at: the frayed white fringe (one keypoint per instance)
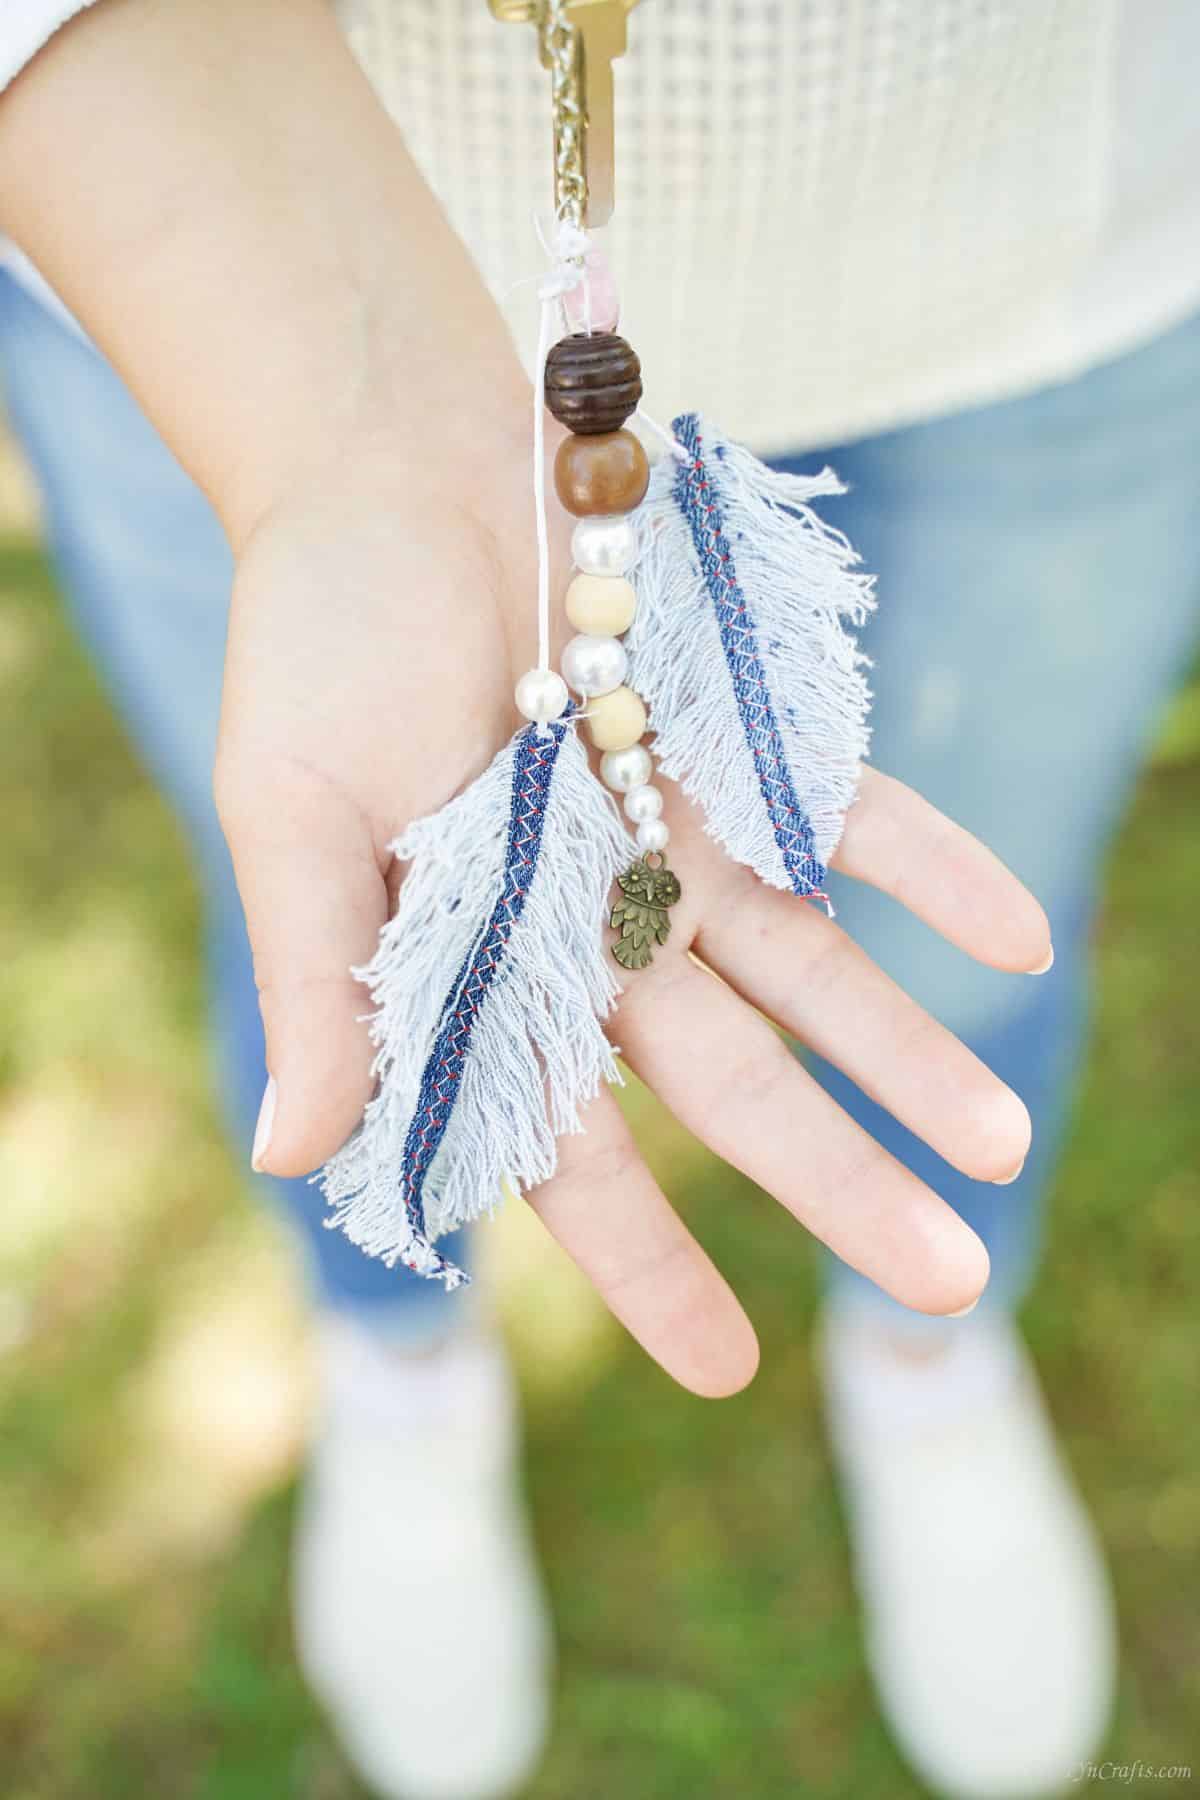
(537, 1052)
(803, 590)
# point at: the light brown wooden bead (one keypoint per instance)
(602, 605)
(607, 473)
(616, 720)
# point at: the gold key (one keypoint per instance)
(581, 67)
(602, 38)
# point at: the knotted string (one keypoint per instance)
(569, 268)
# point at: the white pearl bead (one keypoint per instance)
(605, 545)
(541, 695)
(642, 804)
(623, 770)
(652, 835)
(594, 665)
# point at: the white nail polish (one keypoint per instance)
(1044, 967)
(262, 1131)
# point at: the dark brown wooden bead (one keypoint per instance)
(593, 382)
(603, 474)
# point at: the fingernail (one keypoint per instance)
(262, 1131)
(1048, 964)
(1007, 1180)
(964, 1310)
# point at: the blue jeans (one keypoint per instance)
(146, 571)
(1039, 573)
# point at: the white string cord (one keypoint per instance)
(668, 440)
(539, 481)
(678, 450)
(569, 251)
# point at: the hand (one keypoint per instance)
(702, 1045)
(368, 677)
(379, 620)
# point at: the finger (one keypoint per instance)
(315, 900)
(741, 1091)
(805, 972)
(608, 1212)
(899, 843)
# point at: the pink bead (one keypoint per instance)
(595, 303)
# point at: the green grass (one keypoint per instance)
(149, 1360)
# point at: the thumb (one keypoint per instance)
(315, 899)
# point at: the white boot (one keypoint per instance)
(988, 1614)
(420, 1621)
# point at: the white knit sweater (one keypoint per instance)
(833, 216)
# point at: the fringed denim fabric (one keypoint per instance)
(490, 984)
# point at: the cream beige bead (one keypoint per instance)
(601, 605)
(617, 720)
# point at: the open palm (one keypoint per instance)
(377, 626)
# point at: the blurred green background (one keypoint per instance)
(154, 1381)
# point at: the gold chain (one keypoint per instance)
(560, 53)
(578, 40)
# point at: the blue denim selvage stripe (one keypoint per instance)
(696, 498)
(533, 769)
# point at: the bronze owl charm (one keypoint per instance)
(640, 917)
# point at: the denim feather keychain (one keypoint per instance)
(709, 590)
(489, 982)
(756, 687)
